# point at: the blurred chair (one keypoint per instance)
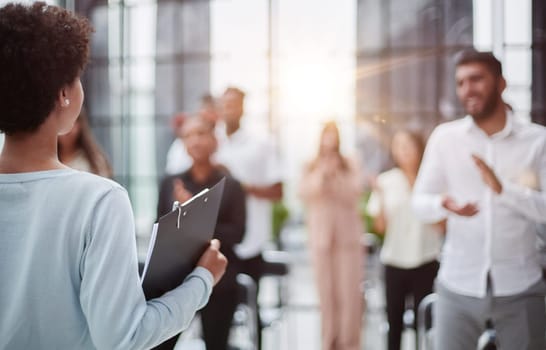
(245, 318)
(488, 339)
(371, 246)
(276, 266)
(424, 326)
(425, 330)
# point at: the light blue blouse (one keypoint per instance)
(68, 268)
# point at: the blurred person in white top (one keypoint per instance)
(411, 247)
(474, 173)
(251, 159)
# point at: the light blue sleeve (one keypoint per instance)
(111, 295)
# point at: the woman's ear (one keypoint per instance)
(62, 98)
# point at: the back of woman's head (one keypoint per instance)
(42, 49)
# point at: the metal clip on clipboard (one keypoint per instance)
(180, 207)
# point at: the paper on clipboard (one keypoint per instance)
(153, 235)
(178, 240)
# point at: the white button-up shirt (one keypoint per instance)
(500, 238)
(252, 160)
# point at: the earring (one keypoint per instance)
(66, 102)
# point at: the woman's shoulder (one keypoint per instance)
(82, 181)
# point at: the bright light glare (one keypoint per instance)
(312, 89)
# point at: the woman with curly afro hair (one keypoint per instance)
(68, 264)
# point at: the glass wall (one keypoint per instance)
(120, 97)
(504, 27)
(538, 85)
(405, 68)
(314, 67)
(295, 61)
(239, 39)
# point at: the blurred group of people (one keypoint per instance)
(211, 145)
(473, 193)
(331, 187)
(460, 216)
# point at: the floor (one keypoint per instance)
(297, 325)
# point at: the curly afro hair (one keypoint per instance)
(42, 49)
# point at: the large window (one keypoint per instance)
(374, 64)
(120, 88)
(538, 105)
(405, 69)
(295, 60)
(504, 27)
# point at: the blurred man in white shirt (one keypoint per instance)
(253, 161)
(472, 174)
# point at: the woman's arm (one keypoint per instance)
(312, 183)
(111, 295)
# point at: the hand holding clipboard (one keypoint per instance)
(213, 260)
(180, 241)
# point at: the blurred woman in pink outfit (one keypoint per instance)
(330, 187)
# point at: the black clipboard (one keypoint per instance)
(181, 238)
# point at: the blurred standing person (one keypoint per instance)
(490, 268)
(411, 247)
(178, 159)
(251, 159)
(330, 187)
(79, 150)
(200, 143)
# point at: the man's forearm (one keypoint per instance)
(272, 192)
(428, 207)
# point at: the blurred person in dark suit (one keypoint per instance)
(200, 143)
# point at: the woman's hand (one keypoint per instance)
(214, 261)
(329, 165)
